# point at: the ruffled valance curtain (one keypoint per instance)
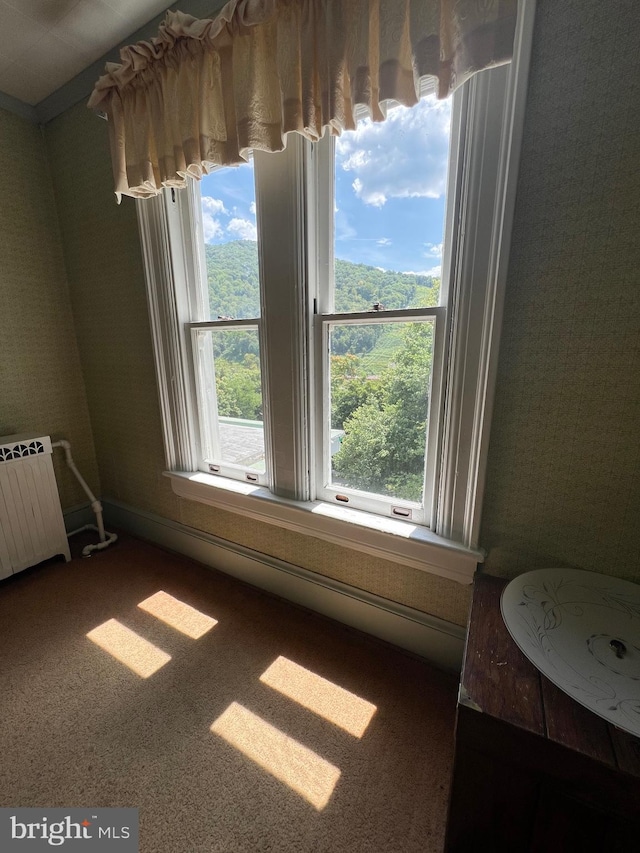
(205, 92)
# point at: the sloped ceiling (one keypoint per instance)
(46, 43)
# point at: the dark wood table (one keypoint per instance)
(533, 769)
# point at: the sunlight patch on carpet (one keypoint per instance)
(335, 704)
(178, 615)
(290, 762)
(141, 656)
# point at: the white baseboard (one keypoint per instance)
(77, 516)
(437, 641)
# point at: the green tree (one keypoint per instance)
(363, 458)
(238, 388)
(350, 339)
(383, 450)
(350, 388)
(234, 344)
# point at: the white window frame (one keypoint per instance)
(394, 507)
(210, 458)
(487, 125)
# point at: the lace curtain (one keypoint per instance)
(203, 93)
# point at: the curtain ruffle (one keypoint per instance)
(203, 93)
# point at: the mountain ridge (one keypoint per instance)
(234, 289)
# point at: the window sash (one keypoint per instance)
(396, 507)
(210, 457)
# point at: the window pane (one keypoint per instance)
(228, 201)
(380, 381)
(390, 183)
(229, 360)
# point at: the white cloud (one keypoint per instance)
(434, 250)
(384, 241)
(357, 159)
(377, 199)
(211, 227)
(212, 208)
(213, 205)
(242, 229)
(403, 157)
(252, 208)
(436, 272)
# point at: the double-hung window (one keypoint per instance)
(379, 324)
(326, 318)
(371, 331)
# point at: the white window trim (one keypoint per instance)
(484, 201)
(487, 201)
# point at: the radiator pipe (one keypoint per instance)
(105, 537)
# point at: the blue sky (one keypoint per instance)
(390, 192)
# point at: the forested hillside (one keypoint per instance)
(232, 270)
(232, 273)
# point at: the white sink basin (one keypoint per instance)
(581, 630)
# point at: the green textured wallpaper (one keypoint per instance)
(40, 375)
(104, 265)
(563, 484)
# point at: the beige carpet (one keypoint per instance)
(234, 721)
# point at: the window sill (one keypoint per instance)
(386, 538)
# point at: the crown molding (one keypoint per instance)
(19, 108)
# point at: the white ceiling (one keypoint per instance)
(45, 43)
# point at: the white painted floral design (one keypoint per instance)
(582, 630)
